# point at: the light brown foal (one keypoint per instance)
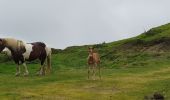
(93, 63)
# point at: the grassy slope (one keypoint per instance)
(131, 69)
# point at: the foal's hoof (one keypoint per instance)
(93, 79)
(41, 74)
(17, 74)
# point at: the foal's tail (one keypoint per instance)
(49, 52)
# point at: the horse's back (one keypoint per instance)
(41, 44)
(28, 51)
(34, 50)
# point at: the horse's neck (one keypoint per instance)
(10, 42)
(13, 44)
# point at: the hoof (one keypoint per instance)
(40, 74)
(17, 74)
(37, 74)
(93, 79)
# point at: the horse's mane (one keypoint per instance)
(13, 43)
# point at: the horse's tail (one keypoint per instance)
(49, 52)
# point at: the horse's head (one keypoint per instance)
(2, 46)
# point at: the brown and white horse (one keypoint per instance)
(22, 52)
(93, 63)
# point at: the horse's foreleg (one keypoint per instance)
(18, 72)
(26, 70)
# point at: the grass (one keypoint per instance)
(132, 69)
(133, 83)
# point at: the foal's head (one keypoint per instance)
(91, 50)
(2, 46)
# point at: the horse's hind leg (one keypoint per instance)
(26, 70)
(38, 72)
(49, 63)
(42, 69)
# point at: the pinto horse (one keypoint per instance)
(22, 52)
(93, 63)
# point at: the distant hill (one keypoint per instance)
(124, 53)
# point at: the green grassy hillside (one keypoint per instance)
(132, 69)
(152, 44)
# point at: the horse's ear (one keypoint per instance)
(1, 41)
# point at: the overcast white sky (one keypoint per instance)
(62, 23)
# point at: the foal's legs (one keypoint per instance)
(89, 71)
(18, 72)
(94, 71)
(99, 71)
(26, 69)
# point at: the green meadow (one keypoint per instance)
(132, 69)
